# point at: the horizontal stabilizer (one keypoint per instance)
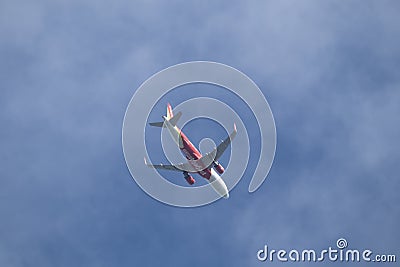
(175, 118)
(157, 124)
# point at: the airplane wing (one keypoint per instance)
(178, 167)
(224, 145)
(204, 162)
(214, 155)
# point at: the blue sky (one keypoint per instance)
(329, 70)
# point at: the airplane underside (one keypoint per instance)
(197, 163)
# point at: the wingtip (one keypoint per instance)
(145, 160)
(234, 127)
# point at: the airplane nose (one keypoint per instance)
(218, 184)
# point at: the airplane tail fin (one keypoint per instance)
(173, 119)
(169, 112)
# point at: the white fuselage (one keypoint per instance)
(192, 154)
(218, 184)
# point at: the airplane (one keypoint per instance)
(197, 163)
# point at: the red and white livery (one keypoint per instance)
(206, 165)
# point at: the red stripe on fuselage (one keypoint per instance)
(191, 153)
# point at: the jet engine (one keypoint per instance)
(219, 167)
(189, 178)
